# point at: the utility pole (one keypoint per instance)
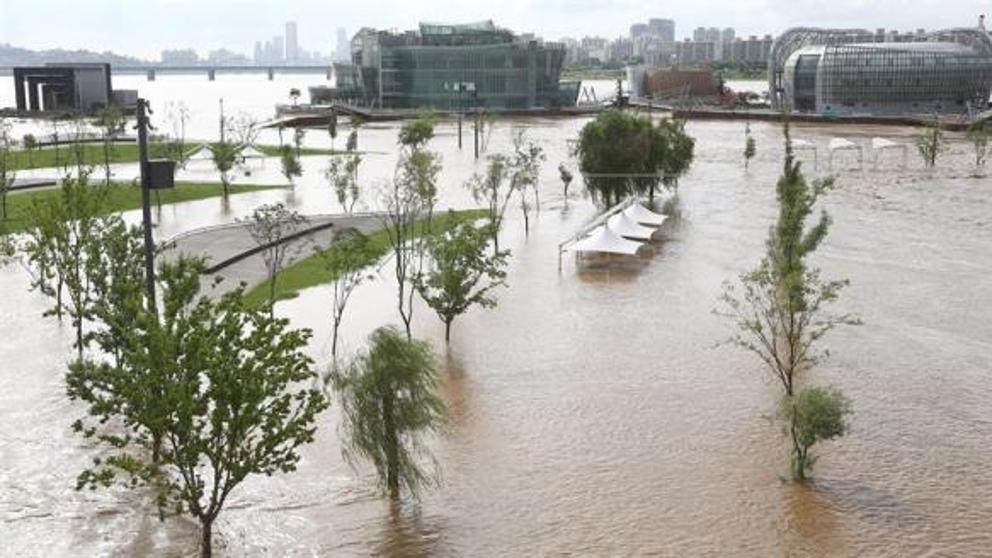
(222, 120)
(461, 86)
(146, 207)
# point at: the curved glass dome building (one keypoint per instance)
(832, 72)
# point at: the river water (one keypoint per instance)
(591, 412)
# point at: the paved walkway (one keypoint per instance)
(232, 253)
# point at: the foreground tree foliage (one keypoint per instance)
(781, 308)
(621, 154)
(220, 415)
(461, 273)
(390, 403)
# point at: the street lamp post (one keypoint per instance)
(146, 209)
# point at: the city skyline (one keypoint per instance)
(236, 26)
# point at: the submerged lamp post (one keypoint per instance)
(155, 174)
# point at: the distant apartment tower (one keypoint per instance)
(728, 35)
(663, 29)
(343, 51)
(638, 30)
(292, 42)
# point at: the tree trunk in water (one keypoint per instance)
(334, 339)
(392, 448)
(206, 538)
(651, 195)
(272, 296)
(106, 158)
(447, 331)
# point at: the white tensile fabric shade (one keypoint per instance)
(628, 228)
(637, 213)
(803, 144)
(841, 143)
(603, 240)
(882, 143)
(202, 153)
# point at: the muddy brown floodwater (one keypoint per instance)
(591, 413)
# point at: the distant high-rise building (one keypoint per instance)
(699, 35)
(259, 55)
(292, 42)
(343, 51)
(663, 29)
(638, 30)
(278, 52)
(728, 35)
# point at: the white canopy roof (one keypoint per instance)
(803, 144)
(882, 143)
(202, 153)
(639, 214)
(841, 143)
(602, 239)
(628, 228)
(250, 152)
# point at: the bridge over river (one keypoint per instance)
(211, 70)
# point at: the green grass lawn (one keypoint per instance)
(91, 154)
(311, 272)
(122, 197)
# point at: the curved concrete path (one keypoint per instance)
(232, 253)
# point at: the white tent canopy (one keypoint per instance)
(250, 152)
(841, 143)
(637, 213)
(628, 228)
(803, 144)
(603, 240)
(202, 153)
(882, 143)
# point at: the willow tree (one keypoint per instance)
(781, 308)
(390, 403)
(621, 154)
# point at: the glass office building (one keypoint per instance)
(460, 67)
(945, 72)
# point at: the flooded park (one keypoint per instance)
(592, 412)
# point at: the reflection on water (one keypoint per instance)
(590, 413)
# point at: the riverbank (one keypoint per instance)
(122, 196)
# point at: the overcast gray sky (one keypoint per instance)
(145, 27)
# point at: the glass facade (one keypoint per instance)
(459, 67)
(947, 72)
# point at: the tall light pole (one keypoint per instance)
(146, 207)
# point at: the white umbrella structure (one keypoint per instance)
(628, 228)
(798, 144)
(838, 144)
(878, 145)
(604, 241)
(637, 213)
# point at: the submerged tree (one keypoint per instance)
(299, 134)
(525, 169)
(461, 274)
(290, 163)
(781, 311)
(224, 414)
(272, 227)
(346, 260)
(389, 403)
(750, 147)
(930, 142)
(403, 209)
(177, 114)
(30, 143)
(566, 178)
(342, 174)
(979, 134)
(621, 154)
(332, 127)
(7, 175)
(224, 155)
(493, 189)
(815, 414)
(419, 167)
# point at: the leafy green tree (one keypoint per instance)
(332, 127)
(63, 229)
(622, 154)
(416, 133)
(111, 122)
(177, 114)
(347, 261)
(750, 147)
(420, 167)
(389, 402)
(224, 415)
(272, 227)
(224, 155)
(781, 311)
(403, 207)
(356, 124)
(462, 273)
(525, 170)
(30, 143)
(566, 178)
(7, 176)
(290, 162)
(299, 134)
(342, 174)
(930, 142)
(979, 134)
(493, 189)
(815, 414)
